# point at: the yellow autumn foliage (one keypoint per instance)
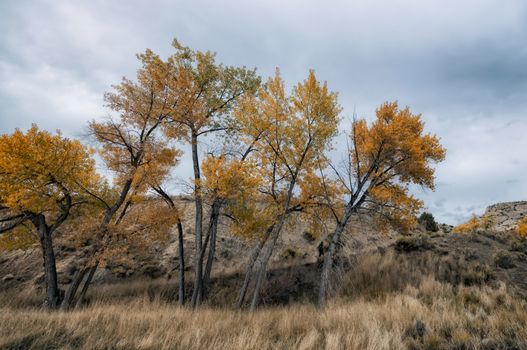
(522, 227)
(37, 168)
(386, 157)
(473, 224)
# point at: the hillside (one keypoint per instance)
(297, 257)
(423, 290)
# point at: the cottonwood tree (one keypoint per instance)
(42, 180)
(132, 146)
(296, 130)
(206, 93)
(384, 158)
(228, 181)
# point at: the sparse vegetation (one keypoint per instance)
(411, 243)
(428, 221)
(504, 259)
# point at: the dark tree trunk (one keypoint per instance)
(181, 249)
(72, 289)
(198, 266)
(123, 212)
(50, 269)
(197, 295)
(351, 207)
(249, 271)
(213, 230)
(328, 262)
(86, 285)
(262, 272)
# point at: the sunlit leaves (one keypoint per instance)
(37, 169)
(522, 227)
(388, 155)
(473, 224)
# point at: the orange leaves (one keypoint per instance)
(133, 147)
(204, 92)
(37, 169)
(387, 156)
(473, 224)
(392, 204)
(394, 146)
(229, 178)
(292, 131)
(522, 227)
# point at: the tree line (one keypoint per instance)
(269, 163)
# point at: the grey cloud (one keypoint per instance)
(460, 64)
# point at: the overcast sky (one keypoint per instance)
(462, 64)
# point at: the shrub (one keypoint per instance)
(503, 259)
(473, 224)
(518, 245)
(477, 275)
(522, 227)
(412, 243)
(428, 221)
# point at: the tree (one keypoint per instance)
(473, 224)
(132, 147)
(428, 221)
(206, 93)
(42, 178)
(295, 131)
(230, 183)
(383, 159)
(156, 186)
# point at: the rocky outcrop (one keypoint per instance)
(505, 216)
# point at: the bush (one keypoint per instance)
(522, 227)
(477, 275)
(504, 259)
(412, 243)
(427, 220)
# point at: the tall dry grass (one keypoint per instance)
(385, 301)
(462, 318)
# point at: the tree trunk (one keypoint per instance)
(123, 212)
(328, 263)
(50, 269)
(274, 235)
(213, 228)
(86, 285)
(198, 267)
(181, 263)
(72, 289)
(262, 272)
(197, 295)
(351, 207)
(248, 273)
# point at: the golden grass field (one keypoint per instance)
(386, 301)
(467, 318)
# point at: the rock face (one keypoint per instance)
(505, 216)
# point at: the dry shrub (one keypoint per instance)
(376, 275)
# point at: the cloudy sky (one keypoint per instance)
(462, 64)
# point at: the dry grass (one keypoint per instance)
(381, 303)
(462, 318)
